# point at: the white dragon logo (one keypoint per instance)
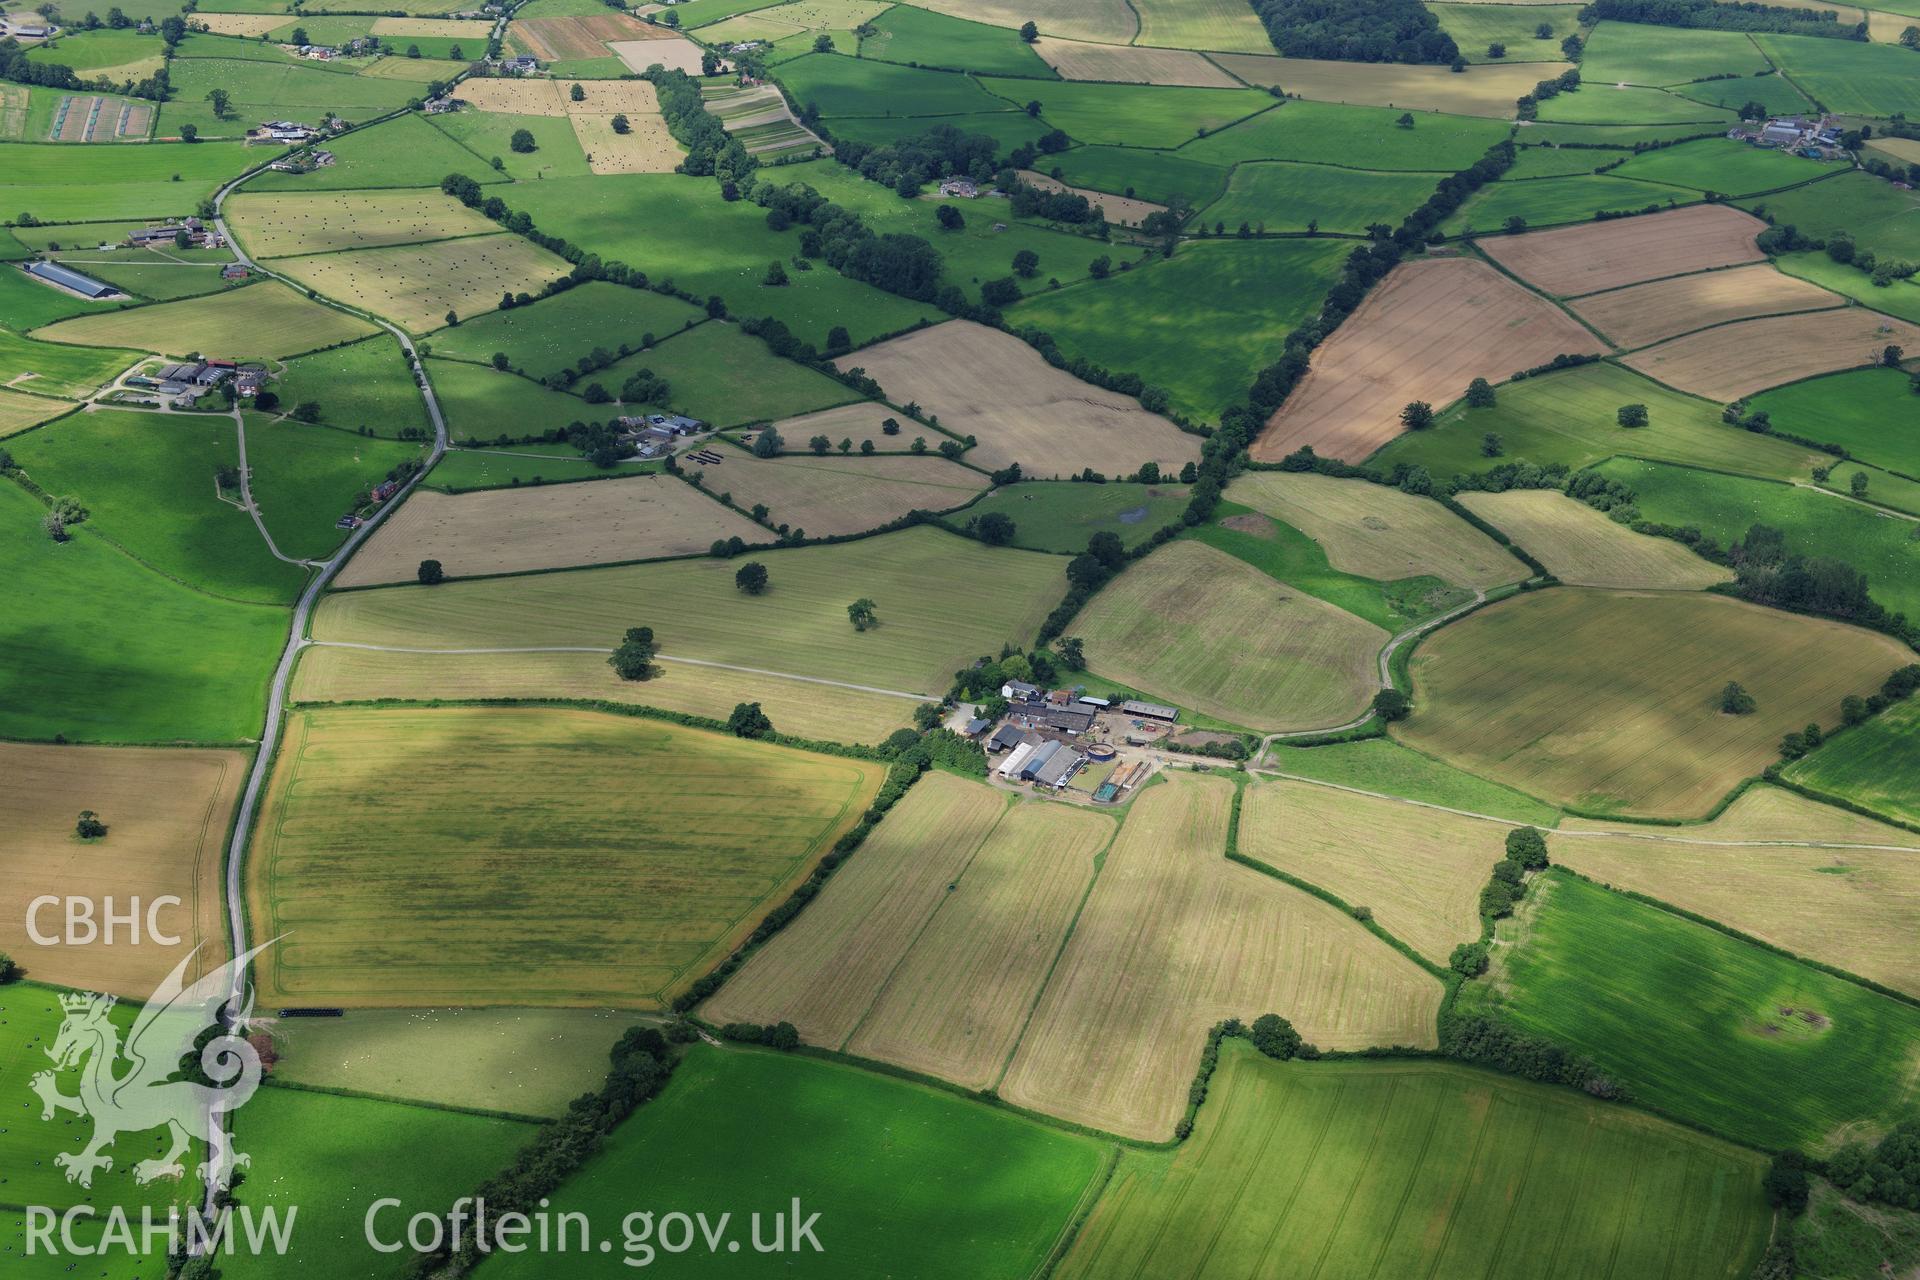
(151, 1095)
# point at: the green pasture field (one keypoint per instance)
(404, 152)
(1277, 196)
(338, 31)
(26, 303)
(1624, 136)
(1884, 488)
(59, 369)
(267, 319)
(1867, 412)
(1200, 24)
(727, 377)
(1353, 137)
(842, 86)
(1724, 507)
(1901, 298)
(693, 14)
(489, 134)
(151, 278)
(484, 403)
(1476, 26)
(1132, 115)
(1052, 515)
(1595, 103)
(942, 600)
(1547, 202)
(1530, 163)
(375, 925)
(1569, 417)
(529, 1062)
(250, 49)
(363, 384)
(194, 669)
(1878, 215)
(271, 91)
(307, 477)
(1010, 129)
(907, 1179)
(937, 40)
(1164, 177)
(1705, 1027)
(1246, 295)
(556, 332)
(565, 9)
(1284, 553)
(464, 470)
(109, 1263)
(1634, 53)
(1389, 768)
(1838, 1236)
(148, 480)
(90, 53)
(678, 228)
(1846, 76)
(1422, 1168)
(1872, 764)
(64, 184)
(1774, 92)
(18, 412)
(1731, 168)
(319, 1152)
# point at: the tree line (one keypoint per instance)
(1724, 15)
(1356, 30)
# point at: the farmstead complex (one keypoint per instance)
(1174, 639)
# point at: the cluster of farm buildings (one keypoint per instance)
(189, 233)
(1815, 138)
(1048, 738)
(655, 434)
(185, 382)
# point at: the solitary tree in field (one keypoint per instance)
(1631, 415)
(1891, 355)
(767, 443)
(1274, 1036)
(633, 660)
(819, 445)
(776, 276)
(1543, 32)
(1033, 107)
(1391, 704)
(1480, 394)
(1029, 32)
(8, 969)
(1515, 225)
(454, 52)
(749, 721)
(453, 317)
(413, 51)
(621, 124)
(866, 447)
(1073, 653)
(522, 141)
(431, 572)
(500, 361)
(307, 411)
(89, 827)
(823, 43)
(189, 133)
(221, 101)
(838, 340)
(752, 578)
(1496, 50)
(1406, 120)
(1736, 701)
(1491, 446)
(1417, 416)
(862, 614)
(576, 93)
(299, 36)
(1857, 484)
(1026, 264)
(996, 528)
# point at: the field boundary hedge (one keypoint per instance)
(335, 1091)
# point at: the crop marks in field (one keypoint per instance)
(1646, 313)
(1571, 261)
(416, 285)
(1045, 419)
(545, 527)
(1610, 700)
(1175, 938)
(1423, 333)
(1211, 632)
(167, 813)
(261, 320)
(1583, 548)
(1736, 360)
(495, 856)
(273, 226)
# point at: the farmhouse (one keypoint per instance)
(1020, 691)
(72, 281)
(960, 187)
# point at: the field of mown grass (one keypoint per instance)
(266, 91)
(1850, 78)
(1384, 766)
(305, 478)
(1161, 176)
(943, 601)
(725, 376)
(18, 412)
(265, 320)
(907, 1179)
(58, 369)
(1872, 765)
(466, 469)
(1420, 871)
(1569, 417)
(1174, 938)
(404, 152)
(555, 333)
(1200, 24)
(928, 39)
(1834, 887)
(1583, 548)
(1546, 202)
(1332, 133)
(70, 184)
(1279, 196)
(1131, 115)
(1720, 164)
(1060, 516)
(1630, 53)
(1405, 1168)
(1215, 634)
(422, 921)
(1867, 412)
(836, 493)
(482, 403)
(284, 224)
(1876, 214)
(1709, 1029)
(364, 384)
(843, 86)
(1608, 700)
(1476, 26)
(416, 285)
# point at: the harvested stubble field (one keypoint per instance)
(646, 147)
(829, 713)
(17, 412)
(1045, 419)
(1739, 359)
(1118, 209)
(823, 972)
(166, 811)
(1873, 764)
(1647, 313)
(1418, 869)
(1571, 261)
(986, 598)
(262, 320)
(835, 494)
(1212, 633)
(676, 52)
(497, 855)
(545, 527)
(1427, 1169)
(1423, 333)
(1379, 532)
(451, 28)
(416, 285)
(554, 39)
(1610, 699)
(1126, 64)
(856, 422)
(272, 226)
(1484, 90)
(1112, 21)
(1173, 939)
(1583, 548)
(1825, 894)
(516, 96)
